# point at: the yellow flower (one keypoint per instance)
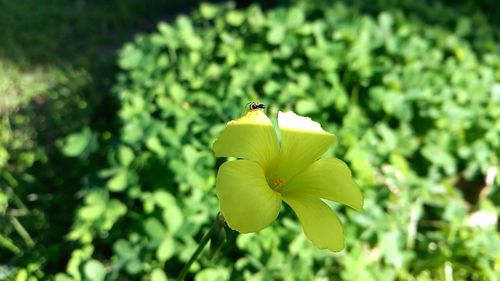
(270, 170)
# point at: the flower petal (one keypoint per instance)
(246, 201)
(303, 141)
(321, 225)
(250, 137)
(327, 178)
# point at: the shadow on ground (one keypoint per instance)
(80, 39)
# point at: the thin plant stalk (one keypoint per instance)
(217, 224)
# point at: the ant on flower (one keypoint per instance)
(255, 106)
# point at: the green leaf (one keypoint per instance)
(79, 143)
(191, 154)
(193, 42)
(154, 228)
(173, 218)
(130, 57)
(210, 274)
(164, 199)
(78, 257)
(439, 157)
(276, 34)
(125, 155)
(235, 18)
(119, 181)
(389, 247)
(165, 29)
(158, 275)
(22, 275)
(94, 270)
(166, 249)
(154, 144)
(134, 266)
(133, 131)
(63, 277)
(114, 210)
(305, 107)
(177, 92)
(4, 156)
(295, 18)
(208, 11)
(400, 163)
(92, 212)
(27, 158)
(123, 249)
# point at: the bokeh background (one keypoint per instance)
(108, 110)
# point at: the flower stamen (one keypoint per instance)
(277, 182)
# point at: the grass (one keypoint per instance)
(57, 67)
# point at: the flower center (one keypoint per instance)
(277, 182)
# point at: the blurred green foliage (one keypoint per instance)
(411, 90)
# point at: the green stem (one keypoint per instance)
(22, 232)
(198, 251)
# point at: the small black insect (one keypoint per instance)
(256, 106)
